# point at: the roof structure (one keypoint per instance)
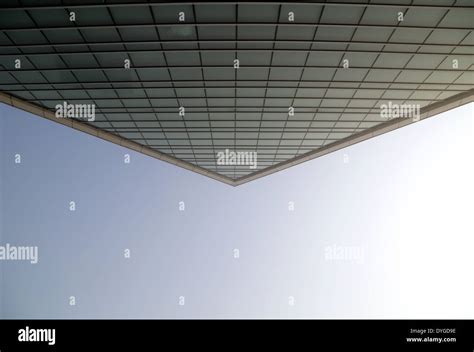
(289, 81)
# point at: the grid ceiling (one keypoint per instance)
(190, 64)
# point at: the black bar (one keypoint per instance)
(226, 87)
(68, 69)
(333, 335)
(228, 24)
(237, 41)
(238, 81)
(16, 55)
(164, 3)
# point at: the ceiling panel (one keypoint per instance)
(309, 76)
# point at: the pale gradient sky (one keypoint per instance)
(405, 198)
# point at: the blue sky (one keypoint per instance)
(403, 202)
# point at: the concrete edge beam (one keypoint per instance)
(426, 112)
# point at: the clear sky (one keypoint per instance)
(388, 234)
